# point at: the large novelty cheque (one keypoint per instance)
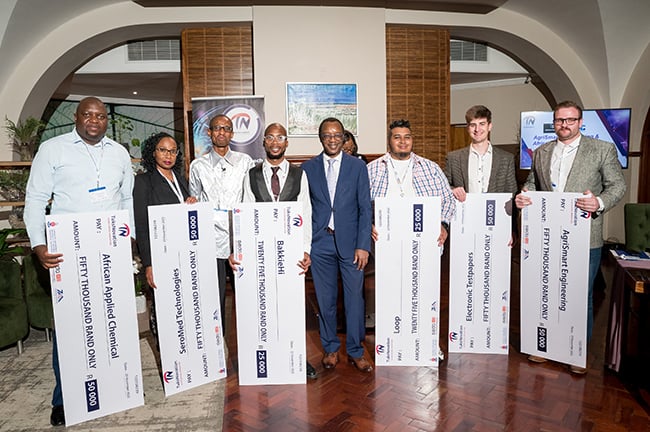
(183, 261)
(479, 274)
(95, 315)
(268, 243)
(554, 277)
(407, 281)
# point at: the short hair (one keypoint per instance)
(148, 161)
(478, 111)
(398, 124)
(216, 117)
(568, 104)
(347, 136)
(329, 120)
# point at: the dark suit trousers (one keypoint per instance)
(325, 267)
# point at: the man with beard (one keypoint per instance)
(402, 173)
(276, 179)
(577, 163)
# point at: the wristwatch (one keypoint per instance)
(446, 225)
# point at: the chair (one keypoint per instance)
(637, 226)
(37, 294)
(14, 324)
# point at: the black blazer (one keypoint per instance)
(151, 188)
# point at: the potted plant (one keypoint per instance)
(9, 250)
(12, 184)
(24, 136)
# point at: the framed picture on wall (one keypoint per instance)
(309, 103)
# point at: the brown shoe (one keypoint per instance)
(537, 359)
(330, 360)
(577, 370)
(360, 363)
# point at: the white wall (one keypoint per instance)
(506, 103)
(317, 44)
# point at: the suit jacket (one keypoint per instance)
(352, 207)
(595, 168)
(151, 188)
(502, 174)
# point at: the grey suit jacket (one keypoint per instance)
(502, 174)
(595, 168)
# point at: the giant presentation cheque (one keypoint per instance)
(479, 274)
(94, 312)
(554, 277)
(183, 254)
(407, 281)
(268, 243)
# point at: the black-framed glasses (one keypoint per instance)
(569, 121)
(278, 138)
(327, 137)
(218, 128)
(170, 152)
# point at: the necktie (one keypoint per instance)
(331, 187)
(275, 183)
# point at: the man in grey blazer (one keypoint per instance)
(577, 163)
(480, 167)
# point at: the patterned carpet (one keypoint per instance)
(26, 386)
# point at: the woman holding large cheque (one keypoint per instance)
(161, 183)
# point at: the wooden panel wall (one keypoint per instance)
(418, 85)
(216, 61)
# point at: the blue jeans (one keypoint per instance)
(594, 265)
(57, 395)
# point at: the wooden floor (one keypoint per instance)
(468, 392)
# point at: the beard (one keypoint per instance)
(274, 156)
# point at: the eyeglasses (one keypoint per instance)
(169, 152)
(88, 115)
(569, 121)
(218, 128)
(327, 137)
(278, 138)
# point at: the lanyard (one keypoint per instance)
(400, 181)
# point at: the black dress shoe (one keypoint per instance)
(57, 418)
(311, 372)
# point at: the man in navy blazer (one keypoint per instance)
(341, 224)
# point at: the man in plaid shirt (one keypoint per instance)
(400, 172)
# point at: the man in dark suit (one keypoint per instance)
(577, 163)
(480, 167)
(341, 223)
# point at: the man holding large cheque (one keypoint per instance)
(79, 171)
(577, 163)
(400, 173)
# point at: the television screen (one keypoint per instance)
(611, 125)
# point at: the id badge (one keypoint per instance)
(98, 194)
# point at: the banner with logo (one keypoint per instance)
(479, 274)
(247, 115)
(268, 243)
(183, 254)
(407, 281)
(554, 277)
(94, 311)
